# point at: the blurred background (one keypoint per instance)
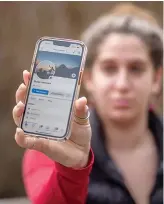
(21, 24)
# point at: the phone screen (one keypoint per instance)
(52, 88)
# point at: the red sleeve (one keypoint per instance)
(47, 182)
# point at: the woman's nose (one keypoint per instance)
(122, 80)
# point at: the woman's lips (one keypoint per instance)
(121, 103)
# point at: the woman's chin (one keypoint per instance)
(121, 116)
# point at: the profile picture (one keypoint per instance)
(45, 69)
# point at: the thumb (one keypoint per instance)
(81, 109)
(81, 130)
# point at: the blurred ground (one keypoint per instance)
(14, 201)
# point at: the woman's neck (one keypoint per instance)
(126, 136)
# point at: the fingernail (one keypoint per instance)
(20, 104)
(22, 86)
(18, 130)
(83, 97)
(25, 71)
(86, 110)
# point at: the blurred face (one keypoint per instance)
(122, 78)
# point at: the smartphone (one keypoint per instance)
(56, 73)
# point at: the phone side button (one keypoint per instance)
(80, 77)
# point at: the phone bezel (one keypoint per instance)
(76, 91)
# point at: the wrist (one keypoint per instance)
(83, 163)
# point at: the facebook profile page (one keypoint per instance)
(51, 92)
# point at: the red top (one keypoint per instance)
(48, 182)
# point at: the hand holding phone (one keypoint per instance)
(73, 152)
(47, 110)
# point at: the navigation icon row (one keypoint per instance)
(42, 127)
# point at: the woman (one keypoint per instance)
(122, 163)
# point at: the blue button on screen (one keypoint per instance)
(40, 91)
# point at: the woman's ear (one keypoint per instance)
(87, 81)
(88, 86)
(157, 86)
